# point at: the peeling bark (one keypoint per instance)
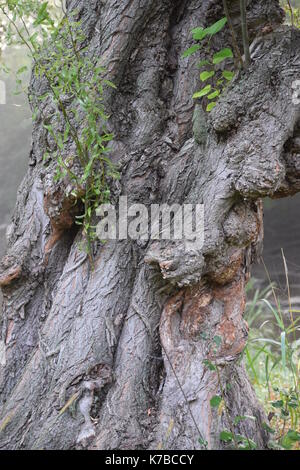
(113, 357)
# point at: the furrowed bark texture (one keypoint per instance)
(113, 357)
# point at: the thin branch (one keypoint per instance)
(233, 35)
(245, 33)
(291, 12)
(25, 42)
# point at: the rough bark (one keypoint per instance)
(125, 341)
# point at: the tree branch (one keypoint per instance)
(233, 35)
(245, 33)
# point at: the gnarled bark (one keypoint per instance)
(113, 357)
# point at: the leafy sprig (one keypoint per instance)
(217, 79)
(75, 86)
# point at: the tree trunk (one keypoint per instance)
(113, 358)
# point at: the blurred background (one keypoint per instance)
(15, 138)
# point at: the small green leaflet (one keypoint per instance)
(202, 92)
(42, 14)
(245, 444)
(109, 83)
(226, 436)
(206, 75)
(277, 404)
(22, 70)
(202, 442)
(228, 75)
(215, 401)
(216, 27)
(199, 34)
(283, 351)
(209, 365)
(191, 50)
(213, 95)
(211, 106)
(222, 55)
(291, 437)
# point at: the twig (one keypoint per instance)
(291, 12)
(233, 35)
(245, 33)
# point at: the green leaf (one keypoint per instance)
(191, 50)
(226, 436)
(275, 313)
(33, 37)
(228, 75)
(22, 70)
(199, 33)
(109, 83)
(291, 437)
(246, 444)
(215, 401)
(284, 413)
(277, 404)
(203, 442)
(216, 27)
(213, 95)
(42, 14)
(211, 106)
(202, 92)
(206, 75)
(283, 350)
(209, 365)
(222, 55)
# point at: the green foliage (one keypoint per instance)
(215, 401)
(75, 89)
(273, 362)
(220, 402)
(222, 55)
(212, 70)
(243, 443)
(226, 436)
(203, 443)
(292, 13)
(290, 439)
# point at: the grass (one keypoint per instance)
(272, 359)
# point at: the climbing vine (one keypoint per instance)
(215, 77)
(74, 89)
